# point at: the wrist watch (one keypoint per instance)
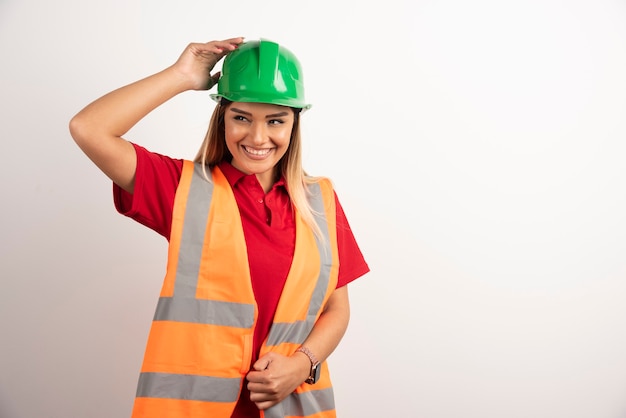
(314, 374)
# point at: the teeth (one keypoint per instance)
(257, 151)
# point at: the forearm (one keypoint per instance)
(117, 112)
(330, 326)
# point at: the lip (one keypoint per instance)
(257, 153)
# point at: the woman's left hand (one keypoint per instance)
(275, 376)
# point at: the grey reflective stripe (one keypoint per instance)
(230, 314)
(326, 257)
(192, 239)
(183, 306)
(296, 332)
(188, 387)
(303, 404)
(292, 332)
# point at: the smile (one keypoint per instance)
(257, 152)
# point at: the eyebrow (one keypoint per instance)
(273, 115)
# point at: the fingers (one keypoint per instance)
(198, 59)
(217, 47)
(265, 404)
(272, 379)
(262, 363)
(264, 392)
(261, 372)
(232, 42)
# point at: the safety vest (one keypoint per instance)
(200, 344)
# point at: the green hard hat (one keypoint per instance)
(262, 72)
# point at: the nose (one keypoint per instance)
(258, 133)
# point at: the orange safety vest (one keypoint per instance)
(200, 344)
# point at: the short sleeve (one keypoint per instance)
(152, 200)
(352, 264)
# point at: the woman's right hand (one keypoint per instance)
(198, 59)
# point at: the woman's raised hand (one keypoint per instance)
(198, 59)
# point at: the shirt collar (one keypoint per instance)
(234, 176)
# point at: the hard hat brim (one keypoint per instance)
(258, 98)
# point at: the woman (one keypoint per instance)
(254, 298)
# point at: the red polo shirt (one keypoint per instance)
(267, 219)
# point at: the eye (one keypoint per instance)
(239, 118)
(276, 122)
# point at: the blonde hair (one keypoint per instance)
(214, 151)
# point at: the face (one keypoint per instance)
(257, 135)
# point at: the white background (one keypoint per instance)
(478, 149)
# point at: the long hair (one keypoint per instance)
(214, 151)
